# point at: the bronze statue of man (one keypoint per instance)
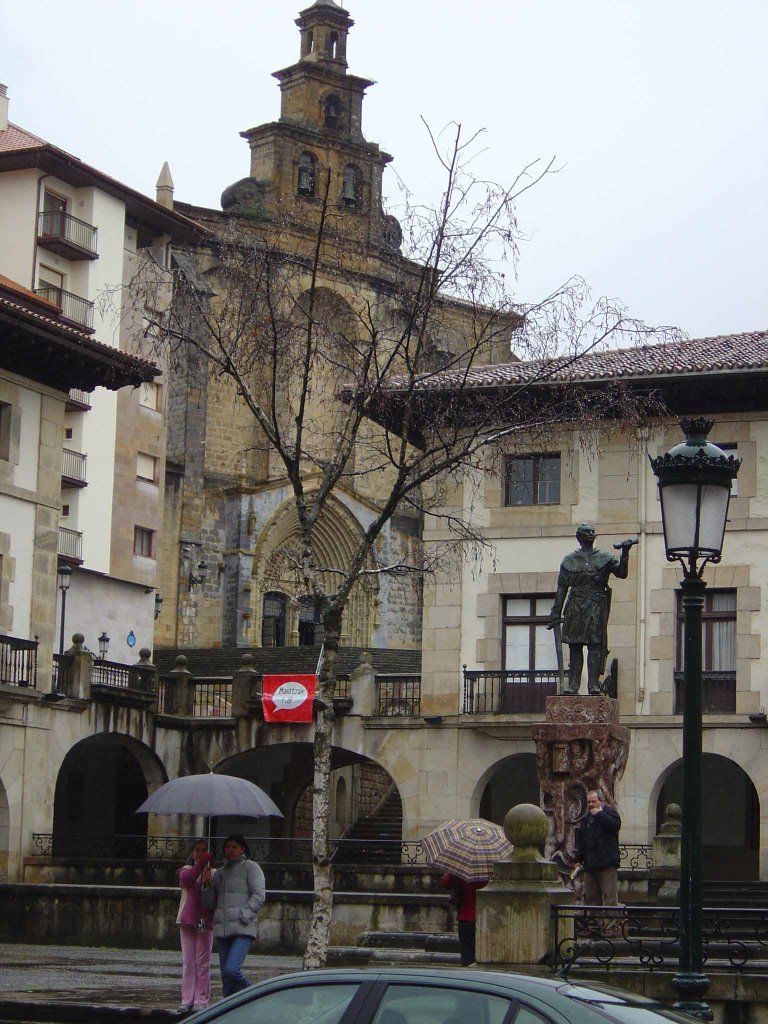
(583, 579)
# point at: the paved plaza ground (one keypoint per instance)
(141, 979)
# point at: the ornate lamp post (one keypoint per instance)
(65, 578)
(694, 487)
(103, 645)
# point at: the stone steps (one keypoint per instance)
(400, 948)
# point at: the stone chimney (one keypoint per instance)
(165, 187)
(3, 107)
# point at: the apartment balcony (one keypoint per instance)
(73, 468)
(71, 545)
(67, 236)
(78, 401)
(718, 693)
(508, 691)
(74, 308)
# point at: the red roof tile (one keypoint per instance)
(15, 138)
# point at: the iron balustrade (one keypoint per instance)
(71, 543)
(73, 307)
(60, 674)
(505, 691)
(80, 399)
(18, 662)
(73, 465)
(56, 225)
(636, 856)
(212, 698)
(718, 693)
(114, 673)
(398, 696)
(639, 935)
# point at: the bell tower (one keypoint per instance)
(317, 145)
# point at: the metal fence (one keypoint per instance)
(18, 661)
(72, 306)
(57, 225)
(71, 543)
(718, 693)
(212, 698)
(112, 673)
(73, 465)
(398, 696)
(507, 692)
(649, 937)
(636, 857)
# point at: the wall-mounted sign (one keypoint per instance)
(131, 639)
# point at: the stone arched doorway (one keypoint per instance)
(731, 818)
(101, 782)
(513, 781)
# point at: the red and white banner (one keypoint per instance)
(288, 698)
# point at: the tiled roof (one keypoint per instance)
(218, 662)
(28, 294)
(14, 139)
(723, 354)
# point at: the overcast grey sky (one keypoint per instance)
(654, 109)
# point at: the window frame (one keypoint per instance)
(157, 390)
(307, 162)
(141, 533)
(532, 621)
(536, 459)
(709, 616)
(154, 479)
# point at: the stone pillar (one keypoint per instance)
(77, 671)
(147, 676)
(514, 911)
(242, 686)
(362, 686)
(179, 689)
(664, 882)
(580, 747)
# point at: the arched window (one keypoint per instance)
(333, 45)
(310, 629)
(334, 112)
(310, 42)
(307, 176)
(351, 186)
(273, 620)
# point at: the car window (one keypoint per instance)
(301, 1004)
(411, 1004)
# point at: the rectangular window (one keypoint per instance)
(149, 396)
(5, 431)
(146, 467)
(732, 449)
(143, 542)
(532, 479)
(528, 644)
(718, 652)
(65, 511)
(67, 433)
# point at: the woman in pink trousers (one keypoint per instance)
(196, 927)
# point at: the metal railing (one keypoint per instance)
(72, 306)
(18, 662)
(63, 226)
(636, 856)
(718, 693)
(60, 673)
(73, 465)
(71, 543)
(507, 692)
(398, 696)
(113, 673)
(212, 698)
(639, 935)
(80, 398)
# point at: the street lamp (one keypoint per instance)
(158, 605)
(694, 487)
(199, 579)
(103, 645)
(65, 578)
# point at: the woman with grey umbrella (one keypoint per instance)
(235, 894)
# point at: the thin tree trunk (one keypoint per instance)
(316, 952)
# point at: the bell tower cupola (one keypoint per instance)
(324, 27)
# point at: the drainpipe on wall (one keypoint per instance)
(643, 435)
(38, 211)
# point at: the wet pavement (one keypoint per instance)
(50, 983)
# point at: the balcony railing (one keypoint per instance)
(508, 692)
(398, 696)
(72, 306)
(73, 467)
(78, 400)
(212, 698)
(18, 661)
(71, 544)
(60, 674)
(66, 235)
(718, 696)
(111, 673)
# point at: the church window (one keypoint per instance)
(273, 620)
(532, 479)
(333, 45)
(310, 42)
(309, 623)
(307, 176)
(334, 112)
(351, 186)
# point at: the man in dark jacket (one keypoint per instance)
(597, 850)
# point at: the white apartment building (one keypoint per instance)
(71, 234)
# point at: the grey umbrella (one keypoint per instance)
(210, 795)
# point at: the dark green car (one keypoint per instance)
(431, 996)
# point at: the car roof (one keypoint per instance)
(502, 979)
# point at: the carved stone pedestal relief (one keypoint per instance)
(580, 747)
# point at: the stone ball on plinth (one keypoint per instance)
(525, 826)
(672, 819)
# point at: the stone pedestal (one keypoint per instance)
(580, 747)
(665, 873)
(514, 922)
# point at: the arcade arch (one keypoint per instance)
(101, 782)
(731, 817)
(507, 783)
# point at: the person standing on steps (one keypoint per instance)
(463, 898)
(196, 931)
(235, 894)
(597, 850)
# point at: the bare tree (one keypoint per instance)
(385, 392)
